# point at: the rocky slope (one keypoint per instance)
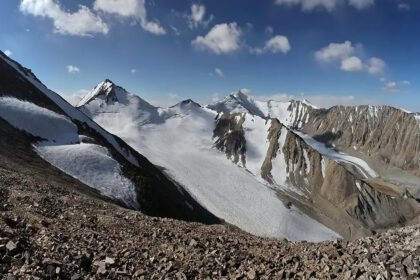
(352, 204)
(385, 134)
(48, 230)
(387, 138)
(38, 126)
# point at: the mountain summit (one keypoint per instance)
(107, 91)
(237, 102)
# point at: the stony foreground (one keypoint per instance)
(53, 232)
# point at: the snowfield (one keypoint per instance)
(92, 165)
(38, 121)
(89, 163)
(183, 145)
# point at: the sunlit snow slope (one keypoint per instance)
(181, 141)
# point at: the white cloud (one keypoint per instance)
(361, 4)
(130, 8)
(196, 17)
(219, 72)
(391, 87)
(382, 79)
(133, 71)
(222, 38)
(352, 64)
(8, 53)
(335, 51)
(329, 5)
(404, 7)
(73, 69)
(81, 23)
(345, 53)
(375, 65)
(309, 5)
(276, 44)
(197, 13)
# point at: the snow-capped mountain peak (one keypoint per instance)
(106, 90)
(237, 102)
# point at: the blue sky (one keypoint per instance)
(328, 51)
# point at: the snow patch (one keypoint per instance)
(256, 133)
(360, 164)
(38, 121)
(92, 165)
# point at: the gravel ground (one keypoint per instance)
(54, 232)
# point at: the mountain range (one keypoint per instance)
(277, 169)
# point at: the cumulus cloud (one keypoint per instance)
(133, 71)
(8, 53)
(335, 51)
(352, 64)
(375, 65)
(72, 69)
(222, 38)
(345, 53)
(81, 23)
(276, 44)
(407, 83)
(361, 4)
(130, 8)
(219, 72)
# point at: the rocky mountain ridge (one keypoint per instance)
(360, 204)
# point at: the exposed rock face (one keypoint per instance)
(230, 137)
(291, 164)
(387, 138)
(385, 134)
